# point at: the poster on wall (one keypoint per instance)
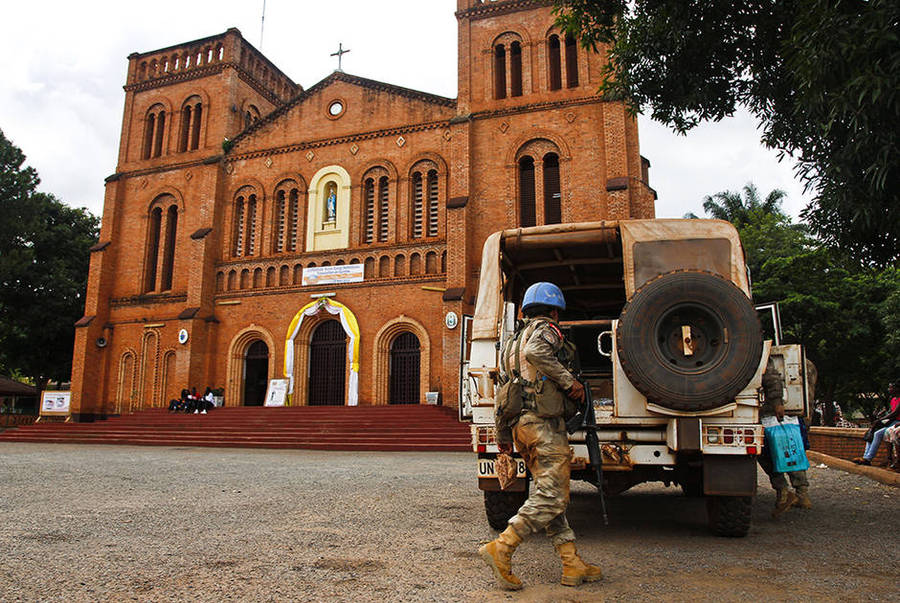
(332, 275)
(276, 392)
(55, 403)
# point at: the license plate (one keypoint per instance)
(486, 468)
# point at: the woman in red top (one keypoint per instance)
(891, 419)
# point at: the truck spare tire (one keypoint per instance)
(689, 340)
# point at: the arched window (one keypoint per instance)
(244, 224)
(418, 193)
(553, 59)
(154, 129)
(160, 129)
(515, 69)
(287, 208)
(552, 195)
(195, 127)
(571, 62)
(281, 216)
(526, 192)
(293, 235)
(432, 203)
(539, 183)
(149, 129)
(376, 205)
(152, 249)
(250, 237)
(160, 231)
(425, 200)
(185, 133)
(369, 226)
(191, 121)
(383, 208)
(499, 71)
(169, 249)
(238, 229)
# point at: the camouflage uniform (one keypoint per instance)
(542, 439)
(773, 384)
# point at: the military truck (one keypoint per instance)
(669, 341)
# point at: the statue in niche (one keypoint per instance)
(330, 202)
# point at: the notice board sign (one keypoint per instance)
(332, 275)
(55, 403)
(276, 392)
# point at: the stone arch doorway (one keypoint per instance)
(404, 363)
(256, 373)
(327, 364)
(385, 341)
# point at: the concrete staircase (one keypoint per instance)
(382, 428)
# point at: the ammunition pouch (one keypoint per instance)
(550, 401)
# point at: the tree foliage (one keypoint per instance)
(821, 76)
(846, 316)
(44, 256)
(738, 210)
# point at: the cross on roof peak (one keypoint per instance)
(340, 54)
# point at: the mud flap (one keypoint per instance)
(729, 475)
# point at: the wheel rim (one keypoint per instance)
(690, 339)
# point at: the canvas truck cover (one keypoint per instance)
(649, 248)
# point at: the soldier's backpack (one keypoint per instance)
(510, 397)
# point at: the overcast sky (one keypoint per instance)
(64, 63)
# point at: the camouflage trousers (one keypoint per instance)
(544, 446)
(778, 480)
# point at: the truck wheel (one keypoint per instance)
(725, 340)
(729, 515)
(500, 506)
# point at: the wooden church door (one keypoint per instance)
(328, 365)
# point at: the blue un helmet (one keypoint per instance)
(545, 294)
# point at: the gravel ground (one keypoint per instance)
(85, 523)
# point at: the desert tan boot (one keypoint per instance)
(784, 501)
(575, 570)
(498, 555)
(803, 500)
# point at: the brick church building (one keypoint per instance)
(255, 229)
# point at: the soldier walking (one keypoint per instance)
(773, 405)
(540, 437)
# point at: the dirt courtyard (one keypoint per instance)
(86, 523)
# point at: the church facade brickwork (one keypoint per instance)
(238, 195)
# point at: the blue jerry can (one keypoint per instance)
(784, 443)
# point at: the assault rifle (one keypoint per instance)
(586, 419)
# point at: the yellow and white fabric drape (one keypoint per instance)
(351, 328)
